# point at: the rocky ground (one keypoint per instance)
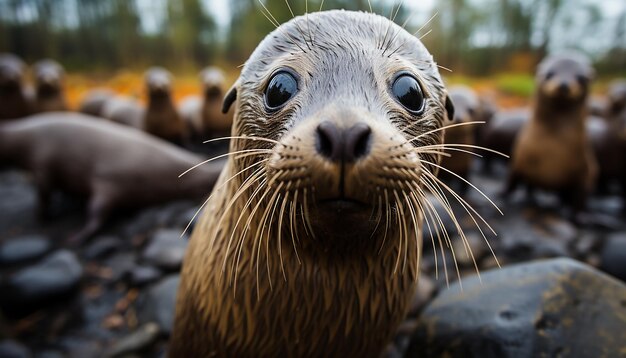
(114, 295)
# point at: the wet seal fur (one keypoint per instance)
(553, 150)
(297, 253)
(110, 165)
(14, 103)
(49, 92)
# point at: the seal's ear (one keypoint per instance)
(230, 98)
(449, 108)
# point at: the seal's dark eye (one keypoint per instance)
(409, 93)
(283, 86)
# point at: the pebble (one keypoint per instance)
(54, 277)
(23, 249)
(136, 342)
(613, 256)
(159, 303)
(166, 250)
(102, 247)
(13, 349)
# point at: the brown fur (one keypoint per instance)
(110, 165)
(161, 118)
(553, 151)
(49, 93)
(14, 103)
(312, 258)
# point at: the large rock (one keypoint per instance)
(551, 308)
(166, 250)
(13, 349)
(56, 277)
(23, 249)
(159, 303)
(613, 259)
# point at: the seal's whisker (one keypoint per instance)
(297, 25)
(215, 190)
(450, 146)
(468, 250)
(259, 235)
(467, 206)
(224, 156)
(401, 238)
(276, 23)
(322, 5)
(414, 219)
(442, 129)
(269, 231)
(430, 230)
(379, 215)
(388, 25)
(242, 188)
(439, 66)
(416, 32)
(280, 231)
(306, 213)
(467, 182)
(292, 213)
(241, 215)
(403, 228)
(426, 34)
(388, 43)
(446, 237)
(387, 219)
(242, 236)
(243, 137)
(453, 217)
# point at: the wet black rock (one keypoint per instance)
(102, 247)
(159, 302)
(613, 260)
(550, 308)
(143, 275)
(13, 349)
(139, 341)
(23, 249)
(55, 277)
(166, 250)
(121, 264)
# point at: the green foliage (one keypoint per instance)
(516, 84)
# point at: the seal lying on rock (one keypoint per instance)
(311, 241)
(113, 166)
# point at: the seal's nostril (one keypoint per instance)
(343, 145)
(358, 140)
(329, 141)
(563, 88)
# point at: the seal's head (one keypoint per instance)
(617, 97)
(11, 71)
(158, 82)
(347, 105)
(565, 78)
(48, 76)
(213, 80)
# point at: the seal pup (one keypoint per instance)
(14, 103)
(310, 243)
(467, 110)
(93, 102)
(553, 150)
(49, 94)
(203, 115)
(124, 110)
(161, 117)
(110, 165)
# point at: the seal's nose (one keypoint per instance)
(563, 88)
(345, 145)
